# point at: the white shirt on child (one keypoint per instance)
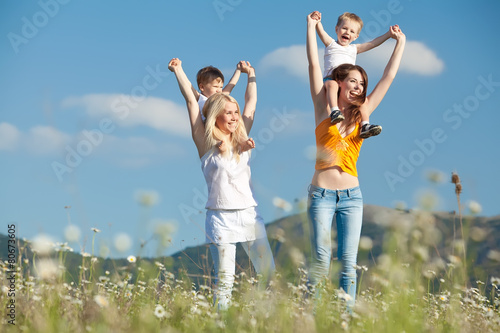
(336, 55)
(201, 102)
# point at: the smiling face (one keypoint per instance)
(347, 32)
(211, 87)
(352, 86)
(228, 120)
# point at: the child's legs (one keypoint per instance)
(332, 89)
(365, 116)
(224, 256)
(261, 256)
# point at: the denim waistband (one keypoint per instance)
(325, 191)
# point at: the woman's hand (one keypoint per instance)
(174, 64)
(396, 33)
(314, 18)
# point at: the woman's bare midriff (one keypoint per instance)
(334, 179)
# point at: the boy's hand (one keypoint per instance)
(245, 66)
(314, 17)
(396, 32)
(222, 147)
(174, 64)
(247, 145)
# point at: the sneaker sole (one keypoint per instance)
(337, 120)
(373, 132)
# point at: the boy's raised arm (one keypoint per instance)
(234, 79)
(373, 43)
(325, 38)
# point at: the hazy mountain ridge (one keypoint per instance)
(289, 239)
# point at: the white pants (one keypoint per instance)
(224, 257)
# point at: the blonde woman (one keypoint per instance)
(232, 215)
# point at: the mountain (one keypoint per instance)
(289, 239)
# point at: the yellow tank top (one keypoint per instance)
(333, 150)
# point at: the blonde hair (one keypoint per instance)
(352, 17)
(213, 108)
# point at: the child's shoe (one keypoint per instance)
(336, 117)
(368, 130)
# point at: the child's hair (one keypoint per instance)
(207, 74)
(352, 17)
(339, 74)
(214, 107)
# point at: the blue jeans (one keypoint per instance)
(347, 206)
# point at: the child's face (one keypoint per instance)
(228, 120)
(347, 32)
(212, 87)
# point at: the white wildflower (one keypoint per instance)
(47, 269)
(147, 198)
(95, 230)
(365, 243)
(42, 244)
(72, 233)
(101, 301)
(131, 259)
(474, 207)
(122, 242)
(282, 204)
(159, 311)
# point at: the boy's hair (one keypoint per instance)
(207, 74)
(352, 17)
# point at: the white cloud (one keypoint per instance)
(45, 140)
(132, 152)
(292, 59)
(417, 59)
(129, 111)
(9, 136)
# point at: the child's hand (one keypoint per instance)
(314, 17)
(396, 32)
(222, 147)
(245, 66)
(174, 64)
(247, 145)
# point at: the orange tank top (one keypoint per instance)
(333, 150)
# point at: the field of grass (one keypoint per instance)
(409, 286)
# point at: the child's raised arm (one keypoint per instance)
(325, 38)
(250, 95)
(374, 43)
(197, 126)
(234, 79)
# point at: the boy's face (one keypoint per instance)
(211, 87)
(347, 32)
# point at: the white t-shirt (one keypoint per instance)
(232, 215)
(201, 102)
(228, 181)
(336, 55)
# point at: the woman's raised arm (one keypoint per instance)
(197, 126)
(318, 94)
(378, 93)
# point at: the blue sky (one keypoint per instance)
(91, 79)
